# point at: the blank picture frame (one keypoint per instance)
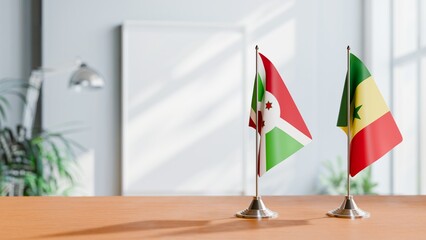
(184, 109)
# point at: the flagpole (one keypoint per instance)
(348, 87)
(257, 125)
(348, 209)
(257, 208)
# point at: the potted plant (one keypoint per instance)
(33, 165)
(333, 180)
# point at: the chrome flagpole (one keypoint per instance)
(257, 208)
(348, 209)
(256, 78)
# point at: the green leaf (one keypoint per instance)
(2, 113)
(4, 101)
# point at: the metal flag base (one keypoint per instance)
(257, 209)
(348, 209)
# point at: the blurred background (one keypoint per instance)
(170, 115)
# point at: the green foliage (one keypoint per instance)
(333, 181)
(33, 166)
(37, 166)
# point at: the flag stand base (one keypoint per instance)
(348, 209)
(257, 209)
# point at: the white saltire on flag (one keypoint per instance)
(281, 127)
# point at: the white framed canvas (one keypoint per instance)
(184, 109)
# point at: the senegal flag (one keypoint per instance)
(281, 127)
(373, 129)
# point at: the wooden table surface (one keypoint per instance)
(301, 217)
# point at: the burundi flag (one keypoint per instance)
(373, 129)
(281, 127)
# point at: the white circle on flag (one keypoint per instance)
(270, 112)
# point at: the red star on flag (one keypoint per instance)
(268, 105)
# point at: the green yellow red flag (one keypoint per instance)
(373, 129)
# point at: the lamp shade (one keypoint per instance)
(86, 78)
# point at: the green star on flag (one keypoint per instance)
(356, 113)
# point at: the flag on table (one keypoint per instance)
(281, 127)
(373, 129)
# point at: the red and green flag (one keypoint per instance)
(281, 127)
(373, 129)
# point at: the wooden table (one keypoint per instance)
(392, 217)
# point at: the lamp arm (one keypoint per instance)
(33, 93)
(31, 100)
(48, 71)
(83, 76)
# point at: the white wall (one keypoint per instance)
(395, 54)
(305, 39)
(15, 47)
(378, 56)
